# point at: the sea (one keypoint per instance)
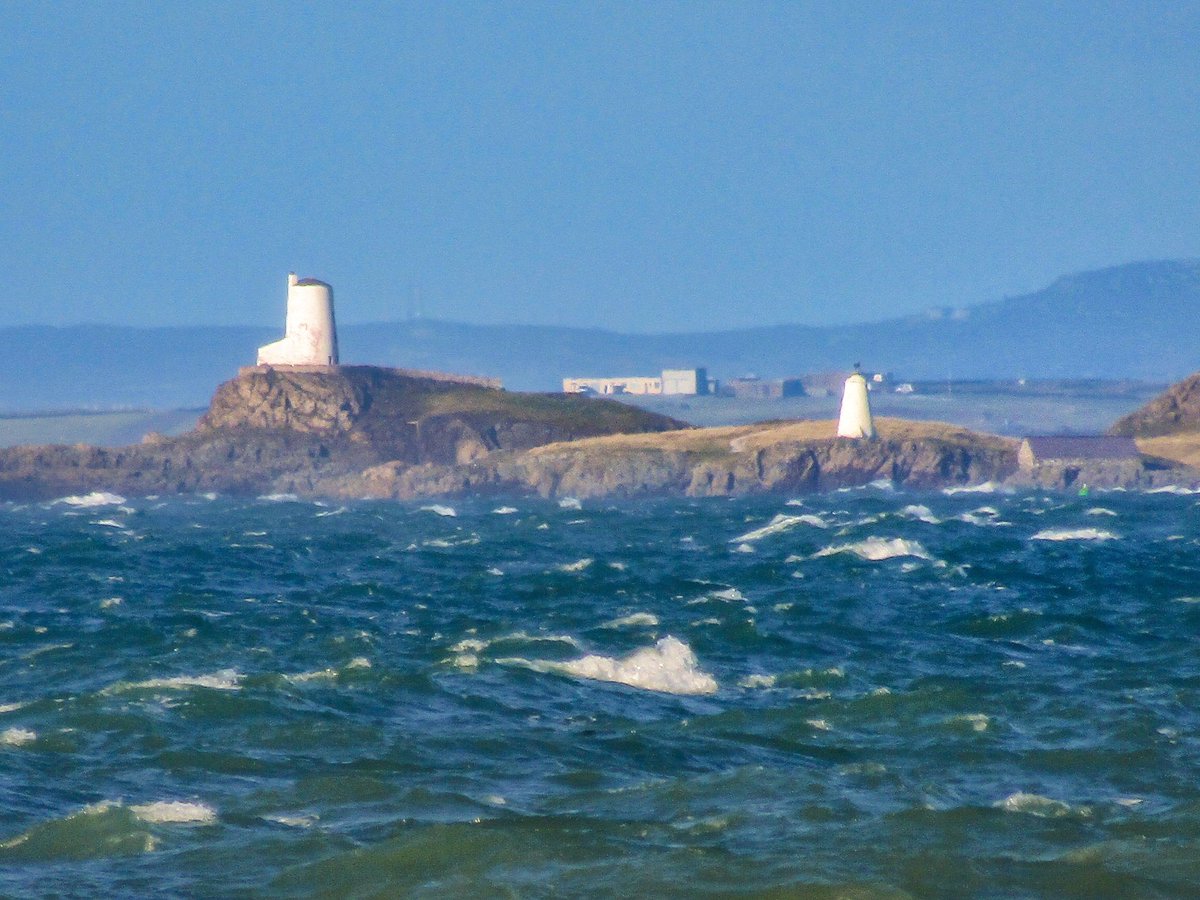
(868, 693)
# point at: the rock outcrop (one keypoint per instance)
(1175, 410)
(292, 430)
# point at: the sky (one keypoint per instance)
(644, 167)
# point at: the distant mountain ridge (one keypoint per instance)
(1139, 320)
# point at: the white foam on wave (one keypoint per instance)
(505, 510)
(12, 707)
(224, 680)
(95, 498)
(174, 812)
(921, 513)
(578, 566)
(758, 681)
(1100, 511)
(109, 602)
(634, 619)
(306, 821)
(875, 549)
(1173, 489)
(779, 525)
(570, 503)
(988, 487)
(331, 512)
(977, 721)
(1074, 534)
(279, 498)
(669, 667)
(17, 737)
(109, 523)
(744, 547)
(440, 510)
(1042, 807)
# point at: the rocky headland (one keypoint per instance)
(361, 431)
(1168, 427)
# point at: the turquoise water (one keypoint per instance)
(866, 693)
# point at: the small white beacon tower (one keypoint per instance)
(309, 334)
(856, 421)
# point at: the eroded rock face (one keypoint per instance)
(276, 430)
(1175, 410)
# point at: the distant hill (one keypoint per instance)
(1133, 321)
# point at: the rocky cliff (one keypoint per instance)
(286, 430)
(1175, 410)
(795, 457)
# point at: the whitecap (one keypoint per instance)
(95, 498)
(1173, 489)
(758, 681)
(439, 509)
(988, 487)
(279, 498)
(331, 512)
(224, 680)
(1100, 511)
(109, 523)
(359, 662)
(577, 566)
(17, 737)
(731, 594)
(318, 675)
(921, 514)
(505, 510)
(819, 724)
(11, 707)
(174, 812)
(875, 549)
(1074, 534)
(780, 524)
(494, 571)
(293, 821)
(1037, 805)
(110, 602)
(744, 548)
(977, 721)
(570, 503)
(634, 619)
(669, 667)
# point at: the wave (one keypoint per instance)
(570, 503)
(921, 514)
(1042, 807)
(95, 498)
(17, 737)
(780, 524)
(669, 667)
(634, 619)
(875, 549)
(505, 510)
(1074, 534)
(578, 566)
(440, 510)
(174, 812)
(988, 487)
(224, 680)
(274, 498)
(1174, 489)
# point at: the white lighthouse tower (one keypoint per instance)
(856, 421)
(309, 334)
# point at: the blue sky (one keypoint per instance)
(639, 166)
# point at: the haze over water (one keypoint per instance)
(930, 695)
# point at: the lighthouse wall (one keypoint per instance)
(310, 331)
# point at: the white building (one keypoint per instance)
(672, 381)
(310, 333)
(856, 421)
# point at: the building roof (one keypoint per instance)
(312, 281)
(1082, 447)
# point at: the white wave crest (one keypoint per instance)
(225, 680)
(279, 498)
(578, 566)
(1037, 805)
(1074, 534)
(1100, 511)
(1174, 489)
(174, 812)
(988, 487)
(875, 549)
(669, 667)
(921, 514)
(780, 524)
(635, 619)
(17, 737)
(570, 503)
(440, 510)
(95, 498)
(505, 510)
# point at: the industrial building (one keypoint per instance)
(672, 382)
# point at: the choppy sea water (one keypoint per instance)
(867, 693)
